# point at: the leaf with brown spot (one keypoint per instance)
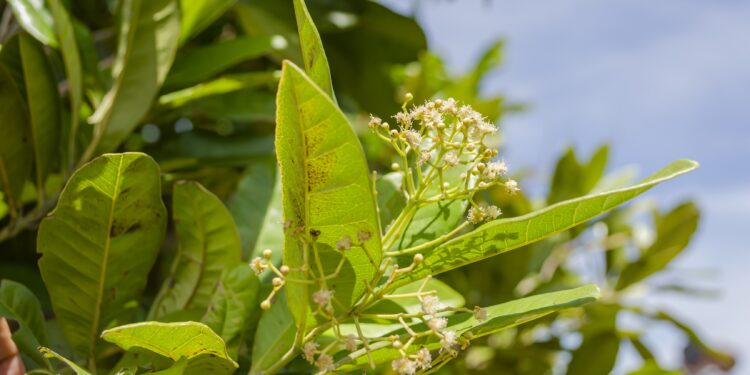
(325, 188)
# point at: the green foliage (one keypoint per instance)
(263, 161)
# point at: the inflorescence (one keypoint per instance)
(442, 156)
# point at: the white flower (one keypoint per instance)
(351, 343)
(493, 212)
(345, 243)
(309, 349)
(404, 366)
(424, 158)
(374, 122)
(448, 340)
(495, 169)
(449, 106)
(413, 138)
(431, 305)
(403, 119)
(512, 186)
(424, 359)
(475, 215)
(258, 265)
(451, 158)
(325, 363)
(437, 324)
(323, 296)
(480, 314)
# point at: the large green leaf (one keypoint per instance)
(313, 54)
(16, 153)
(325, 189)
(232, 302)
(673, 232)
(202, 63)
(208, 245)
(204, 349)
(499, 317)
(274, 337)
(147, 42)
(34, 17)
(100, 242)
(73, 68)
(44, 106)
(198, 14)
(503, 235)
(18, 303)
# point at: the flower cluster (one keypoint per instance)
(443, 147)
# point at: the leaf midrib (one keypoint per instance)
(103, 273)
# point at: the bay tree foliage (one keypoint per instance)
(262, 187)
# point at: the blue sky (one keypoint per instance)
(666, 80)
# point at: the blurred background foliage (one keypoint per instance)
(212, 120)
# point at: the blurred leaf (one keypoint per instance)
(503, 235)
(18, 303)
(73, 69)
(44, 106)
(16, 154)
(325, 188)
(196, 15)
(500, 317)
(598, 350)
(111, 215)
(313, 54)
(194, 148)
(34, 17)
(208, 245)
(594, 170)
(274, 337)
(219, 86)
(201, 63)
(468, 87)
(73, 366)
(235, 297)
(204, 350)
(256, 208)
(653, 368)
(147, 42)
(673, 232)
(724, 359)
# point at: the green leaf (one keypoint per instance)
(313, 54)
(235, 298)
(73, 366)
(325, 189)
(597, 353)
(208, 245)
(222, 85)
(274, 337)
(201, 63)
(653, 368)
(256, 208)
(673, 232)
(100, 242)
(16, 154)
(204, 350)
(391, 200)
(73, 68)
(198, 14)
(146, 47)
(34, 18)
(44, 106)
(18, 303)
(499, 317)
(503, 235)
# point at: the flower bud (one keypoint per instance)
(284, 269)
(265, 305)
(277, 281)
(267, 253)
(418, 258)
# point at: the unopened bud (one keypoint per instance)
(408, 97)
(395, 166)
(284, 269)
(418, 258)
(265, 305)
(267, 253)
(277, 281)
(397, 344)
(481, 166)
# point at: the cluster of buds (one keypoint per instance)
(447, 144)
(260, 265)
